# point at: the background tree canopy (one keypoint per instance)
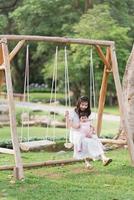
(98, 19)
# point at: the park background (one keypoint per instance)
(100, 19)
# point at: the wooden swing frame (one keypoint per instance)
(110, 66)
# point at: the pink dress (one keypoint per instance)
(86, 129)
(84, 146)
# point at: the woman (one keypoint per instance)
(84, 147)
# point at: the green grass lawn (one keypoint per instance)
(70, 182)
(112, 110)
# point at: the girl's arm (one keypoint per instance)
(92, 129)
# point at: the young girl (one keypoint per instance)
(84, 147)
(85, 125)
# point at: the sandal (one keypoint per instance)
(88, 165)
(107, 162)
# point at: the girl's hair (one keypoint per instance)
(80, 100)
(81, 114)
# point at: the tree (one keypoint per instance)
(128, 94)
(43, 18)
(3, 23)
(97, 23)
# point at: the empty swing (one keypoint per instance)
(38, 144)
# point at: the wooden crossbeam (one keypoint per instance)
(8, 151)
(63, 40)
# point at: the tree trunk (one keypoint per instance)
(76, 3)
(128, 93)
(88, 4)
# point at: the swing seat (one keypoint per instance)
(36, 145)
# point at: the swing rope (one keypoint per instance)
(53, 91)
(67, 89)
(92, 83)
(26, 91)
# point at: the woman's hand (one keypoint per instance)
(66, 114)
(88, 135)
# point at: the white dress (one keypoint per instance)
(83, 146)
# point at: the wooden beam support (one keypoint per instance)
(121, 104)
(102, 96)
(112, 141)
(16, 49)
(102, 56)
(43, 164)
(63, 40)
(18, 161)
(8, 151)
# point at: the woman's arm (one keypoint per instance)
(69, 122)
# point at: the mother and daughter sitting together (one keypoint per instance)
(83, 136)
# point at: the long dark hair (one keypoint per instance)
(80, 100)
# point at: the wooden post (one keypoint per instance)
(1, 62)
(1, 55)
(102, 96)
(121, 104)
(18, 161)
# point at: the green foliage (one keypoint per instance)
(98, 24)
(95, 24)
(45, 97)
(3, 23)
(44, 17)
